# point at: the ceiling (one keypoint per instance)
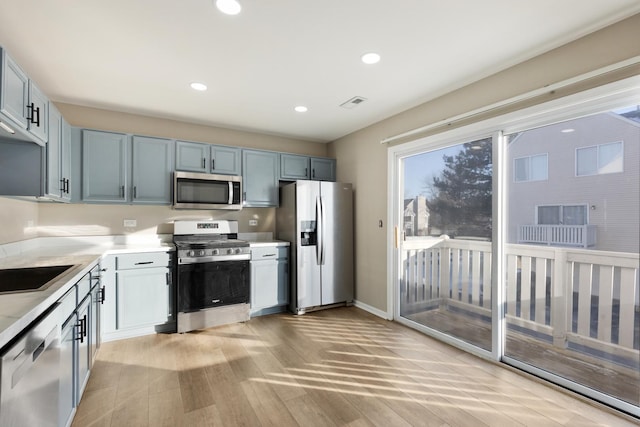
(140, 56)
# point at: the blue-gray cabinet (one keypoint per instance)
(139, 294)
(22, 105)
(225, 160)
(152, 168)
(58, 157)
(192, 156)
(207, 158)
(14, 91)
(323, 169)
(104, 166)
(269, 279)
(295, 166)
(115, 170)
(260, 173)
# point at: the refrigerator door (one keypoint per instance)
(337, 242)
(308, 289)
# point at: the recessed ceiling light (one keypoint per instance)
(198, 86)
(301, 109)
(370, 58)
(229, 7)
(569, 130)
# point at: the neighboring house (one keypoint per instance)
(416, 217)
(577, 183)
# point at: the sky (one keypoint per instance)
(422, 166)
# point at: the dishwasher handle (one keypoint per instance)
(27, 358)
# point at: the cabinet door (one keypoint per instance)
(14, 92)
(108, 282)
(104, 166)
(152, 170)
(38, 113)
(225, 160)
(323, 169)
(293, 167)
(83, 339)
(95, 322)
(142, 297)
(260, 178)
(66, 398)
(192, 156)
(65, 159)
(54, 184)
(264, 284)
(283, 282)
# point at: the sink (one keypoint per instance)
(29, 279)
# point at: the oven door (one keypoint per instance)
(212, 284)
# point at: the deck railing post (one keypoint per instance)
(561, 293)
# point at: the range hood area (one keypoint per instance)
(22, 168)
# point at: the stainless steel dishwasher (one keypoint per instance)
(30, 375)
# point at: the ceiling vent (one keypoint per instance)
(353, 102)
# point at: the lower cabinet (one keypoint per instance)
(269, 279)
(139, 294)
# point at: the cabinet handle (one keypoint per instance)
(268, 255)
(34, 117)
(64, 185)
(313, 173)
(79, 336)
(213, 164)
(37, 122)
(144, 262)
(103, 292)
(135, 192)
(169, 280)
(204, 163)
(122, 191)
(306, 172)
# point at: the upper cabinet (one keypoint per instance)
(58, 163)
(108, 176)
(104, 166)
(23, 107)
(293, 167)
(207, 158)
(192, 156)
(323, 169)
(152, 168)
(260, 172)
(226, 160)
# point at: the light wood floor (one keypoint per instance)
(340, 366)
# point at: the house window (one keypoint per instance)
(599, 159)
(531, 168)
(562, 215)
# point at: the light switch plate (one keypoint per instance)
(130, 223)
(253, 222)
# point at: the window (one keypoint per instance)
(562, 215)
(531, 168)
(599, 159)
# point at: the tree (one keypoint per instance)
(462, 203)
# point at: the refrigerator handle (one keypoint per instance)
(318, 230)
(321, 231)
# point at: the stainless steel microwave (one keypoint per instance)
(206, 191)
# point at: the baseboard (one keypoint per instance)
(372, 310)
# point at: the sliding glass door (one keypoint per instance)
(445, 280)
(524, 246)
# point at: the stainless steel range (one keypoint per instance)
(213, 274)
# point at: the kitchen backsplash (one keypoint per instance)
(20, 220)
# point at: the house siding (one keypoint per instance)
(612, 199)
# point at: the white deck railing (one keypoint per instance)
(583, 236)
(572, 295)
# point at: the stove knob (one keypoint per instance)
(190, 253)
(215, 252)
(230, 251)
(238, 250)
(201, 252)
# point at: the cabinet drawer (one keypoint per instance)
(268, 252)
(142, 260)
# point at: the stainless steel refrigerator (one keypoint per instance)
(316, 217)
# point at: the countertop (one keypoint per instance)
(18, 310)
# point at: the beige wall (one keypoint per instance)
(18, 220)
(362, 160)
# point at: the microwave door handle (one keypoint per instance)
(230, 193)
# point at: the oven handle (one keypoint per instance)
(217, 258)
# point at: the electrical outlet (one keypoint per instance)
(130, 223)
(253, 222)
